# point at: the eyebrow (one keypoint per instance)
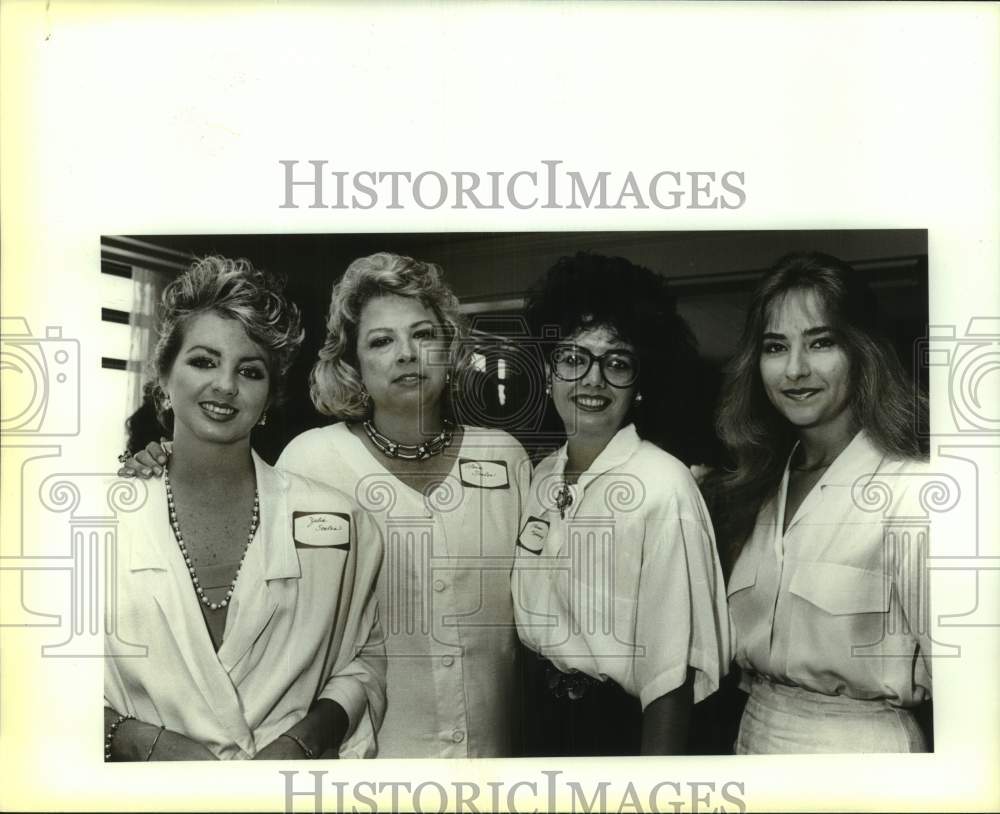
(413, 325)
(214, 352)
(820, 329)
(607, 350)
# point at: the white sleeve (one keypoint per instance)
(682, 620)
(358, 679)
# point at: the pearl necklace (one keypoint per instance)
(410, 452)
(172, 511)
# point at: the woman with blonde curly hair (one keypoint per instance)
(446, 497)
(250, 589)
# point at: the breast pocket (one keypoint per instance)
(743, 613)
(840, 609)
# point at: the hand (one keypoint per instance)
(175, 746)
(700, 471)
(134, 739)
(281, 748)
(321, 730)
(146, 463)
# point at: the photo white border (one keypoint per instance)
(136, 118)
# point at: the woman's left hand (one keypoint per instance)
(321, 730)
(281, 748)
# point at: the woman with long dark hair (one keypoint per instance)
(815, 410)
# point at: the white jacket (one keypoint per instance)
(302, 624)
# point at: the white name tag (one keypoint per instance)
(532, 536)
(321, 530)
(484, 474)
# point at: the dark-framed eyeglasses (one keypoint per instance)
(571, 363)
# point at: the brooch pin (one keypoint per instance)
(564, 499)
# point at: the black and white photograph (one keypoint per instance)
(578, 406)
(572, 608)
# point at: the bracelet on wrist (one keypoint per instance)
(309, 753)
(109, 738)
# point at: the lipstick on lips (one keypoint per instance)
(591, 403)
(800, 393)
(409, 378)
(218, 410)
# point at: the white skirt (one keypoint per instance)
(783, 720)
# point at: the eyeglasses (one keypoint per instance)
(571, 363)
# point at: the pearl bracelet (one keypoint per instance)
(111, 733)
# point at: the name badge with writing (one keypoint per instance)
(483, 474)
(532, 536)
(321, 530)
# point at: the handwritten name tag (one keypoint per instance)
(484, 474)
(532, 536)
(321, 530)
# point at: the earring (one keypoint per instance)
(366, 398)
(638, 397)
(548, 388)
(263, 419)
(166, 403)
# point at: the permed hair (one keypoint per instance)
(883, 400)
(233, 289)
(590, 290)
(335, 382)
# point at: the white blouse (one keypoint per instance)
(302, 624)
(625, 583)
(837, 603)
(444, 590)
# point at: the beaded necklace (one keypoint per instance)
(172, 511)
(410, 452)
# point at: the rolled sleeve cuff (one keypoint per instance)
(706, 681)
(662, 683)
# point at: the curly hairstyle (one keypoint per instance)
(233, 289)
(884, 401)
(335, 384)
(589, 290)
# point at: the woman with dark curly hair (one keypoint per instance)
(617, 585)
(816, 409)
(251, 590)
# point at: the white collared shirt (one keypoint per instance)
(444, 590)
(837, 603)
(625, 583)
(302, 624)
